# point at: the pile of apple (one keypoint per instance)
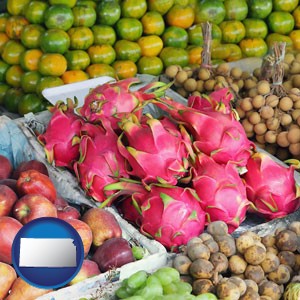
(28, 193)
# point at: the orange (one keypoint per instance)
(12, 98)
(175, 36)
(29, 103)
(30, 36)
(3, 39)
(52, 64)
(220, 51)
(16, 7)
(84, 15)
(108, 12)
(277, 37)
(233, 31)
(153, 23)
(296, 15)
(3, 68)
(151, 45)
(253, 47)
(161, 6)
(295, 36)
(48, 82)
(127, 50)
(151, 65)
(194, 53)
(55, 41)
(235, 52)
(174, 56)
(3, 20)
(34, 11)
(181, 16)
(102, 54)
(58, 16)
(97, 70)
(29, 59)
(29, 81)
(81, 38)
(125, 69)
(3, 89)
(14, 26)
(13, 75)
(69, 3)
(11, 52)
(104, 34)
(129, 29)
(74, 76)
(77, 59)
(133, 8)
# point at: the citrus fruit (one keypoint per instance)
(174, 56)
(102, 54)
(281, 22)
(209, 10)
(180, 16)
(255, 28)
(153, 23)
(55, 41)
(3, 19)
(194, 54)
(3, 89)
(77, 59)
(175, 36)
(259, 9)
(16, 7)
(124, 69)
(34, 11)
(12, 98)
(108, 12)
(3, 68)
(29, 59)
(29, 81)
(84, 15)
(11, 52)
(97, 70)
(52, 64)
(151, 45)
(104, 34)
(295, 37)
(129, 29)
(69, 3)
(58, 16)
(14, 26)
(127, 50)
(285, 5)
(236, 9)
(151, 65)
(13, 75)
(81, 38)
(161, 6)
(3, 39)
(30, 35)
(233, 31)
(133, 8)
(30, 102)
(74, 76)
(48, 82)
(256, 47)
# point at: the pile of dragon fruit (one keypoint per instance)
(169, 175)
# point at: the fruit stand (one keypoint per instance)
(94, 94)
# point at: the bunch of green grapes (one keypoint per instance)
(163, 284)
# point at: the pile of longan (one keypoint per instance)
(272, 121)
(247, 267)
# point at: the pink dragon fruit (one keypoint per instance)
(62, 136)
(155, 150)
(100, 162)
(116, 100)
(171, 215)
(219, 100)
(217, 134)
(271, 186)
(221, 191)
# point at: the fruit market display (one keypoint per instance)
(50, 43)
(216, 265)
(113, 146)
(27, 193)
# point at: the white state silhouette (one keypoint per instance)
(47, 252)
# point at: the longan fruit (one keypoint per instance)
(236, 72)
(263, 87)
(289, 57)
(223, 68)
(200, 86)
(172, 70)
(181, 77)
(287, 85)
(295, 113)
(286, 103)
(296, 80)
(271, 136)
(209, 85)
(189, 71)
(203, 74)
(294, 149)
(240, 112)
(296, 104)
(196, 93)
(249, 83)
(260, 128)
(260, 138)
(248, 127)
(298, 120)
(258, 101)
(257, 72)
(286, 119)
(245, 75)
(190, 85)
(294, 94)
(294, 135)
(266, 112)
(282, 140)
(295, 67)
(254, 117)
(272, 100)
(272, 123)
(235, 87)
(182, 92)
(246, 104)
(252, 92)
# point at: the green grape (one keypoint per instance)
(184, 288)
(166, 275)
(135, 298)
(121, 293)
(138, 252)
(170, 288)
(152, 280)
(172, 297)
(150, 291)
(206, 296)
(137, 279)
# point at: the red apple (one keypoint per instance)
(68, 212)
(23, 290)
(103, 223)
(60, 202)
(12, 183)
(85, 233)
(6, 167)
(30, 165)
(34, 182)
(88, 269)
(7, 199)
(113, 253)
(7, 277)
(9, 227)
(33, 206)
